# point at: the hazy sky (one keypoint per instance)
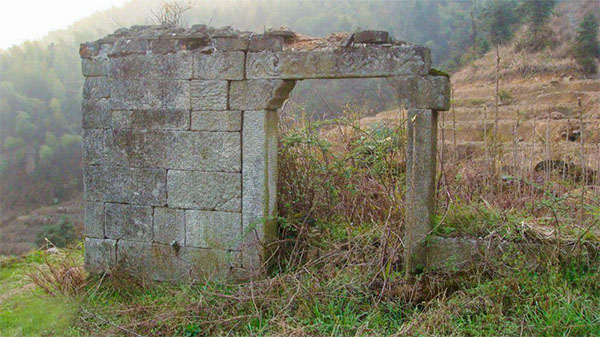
(22, 20)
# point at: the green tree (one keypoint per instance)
(535, 14)
(587, 47)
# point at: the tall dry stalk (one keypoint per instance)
(532, 140)
(582, 161)
(548, 155)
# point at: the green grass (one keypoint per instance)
(25, 310)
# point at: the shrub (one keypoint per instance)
(59, 234)
(587, 47)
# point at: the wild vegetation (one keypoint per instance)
(337, 270)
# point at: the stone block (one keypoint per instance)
(165, 119)
(166, 263)
(217, 120)
(210, 263)
(231, 42)
(169, 225)
(209, 95)
(96, 66)
(210, 191)
(184, 150)
(259, 94)
(123, 47)
(174, 66)
(219, 65)
(151, 260)
(219, 230)
(262, 42)
(94, 220)
(165, 46)
(142, 186)
(89, 49)
(259, 168)
(96, 87)
(422, 92)
(129, 222)
(93, 141)
(150, 94)
(372, 37)
(95, 113)
(339, 63)
(100, 255)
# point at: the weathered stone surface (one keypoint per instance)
(175, 66)
(166, 263)
(89, 49)
(372, 36)
(209, 95)
(93, 146)
(210, 263)
(216, 191)
(150, 94)
(123, 47)
(100, 255)
(165, 119)
(96, 87)
(129, 222)
(97, 66)
(338, 63)
(421, 152)
(220, 230)
(259, 167)
(217, 120)
(169, 225)
(184, 150)
(423, 92)
(94, 220)
(142, 186)
(219, 65)
(151, 260)
(259, 94)
(231, 42)
(262, 42)
(95, 113)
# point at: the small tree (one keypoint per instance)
(536, 14)
(587, 47)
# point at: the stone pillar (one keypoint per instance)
(259, 186)
(421, 155)
(423, 97)
(259, 99)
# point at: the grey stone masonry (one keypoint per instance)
(180, 141)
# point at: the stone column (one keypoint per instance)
(259, 99)
(423, 97)
(421, 155)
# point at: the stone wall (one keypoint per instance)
(180, 139)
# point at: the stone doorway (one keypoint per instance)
(180, 140)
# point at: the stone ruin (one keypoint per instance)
(180, 141)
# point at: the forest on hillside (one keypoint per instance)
(40, 81)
